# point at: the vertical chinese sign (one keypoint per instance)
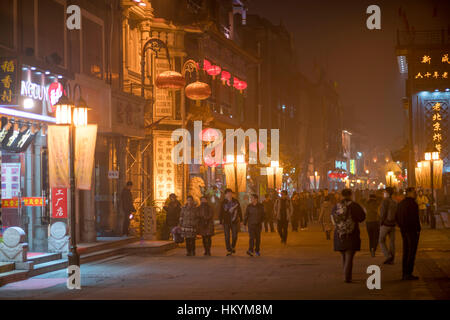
(164, 168)
(436, 118)
(164, 101)
(8, 81)
(59, 203)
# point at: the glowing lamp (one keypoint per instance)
(225, 77)
(170, 80)
(64, 110)
(206, 65)
(239, 84)
(213, 70)
(198, 91)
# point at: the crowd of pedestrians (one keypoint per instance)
(338, 212)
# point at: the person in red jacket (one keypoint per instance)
(409, 222)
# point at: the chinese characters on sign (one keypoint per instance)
(59, 203)
(435, 67)
(164, 174)
(8, 80)
(164, 101)
(437, 126)
(10, 180)
(26, 202)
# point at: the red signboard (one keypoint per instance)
(59, 203)
(26, 202)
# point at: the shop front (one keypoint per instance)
(25, 190)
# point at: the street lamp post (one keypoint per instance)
(432, 156)
(69, 114)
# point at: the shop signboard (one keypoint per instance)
(59, 203)
(8, 81)
(26, 202)
(10, 180)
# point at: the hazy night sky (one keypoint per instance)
(362, 61)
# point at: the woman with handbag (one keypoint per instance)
(206, 224)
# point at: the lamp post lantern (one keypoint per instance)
(431, 157)
(69, 114)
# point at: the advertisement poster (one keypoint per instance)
(10, 180)
(59, 203)
(84, 155)
(58, 156)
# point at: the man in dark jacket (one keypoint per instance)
(173, 209)
(346, 216)
(230, 217)
(409, 223)
(126, 200)
(387, 221)
(254, 216)
(268, 213)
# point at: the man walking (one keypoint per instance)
(409, 223)
(254, 215)
(230, 217)
(283, 213)
(388, 220)
(126, 200)
(268, 213)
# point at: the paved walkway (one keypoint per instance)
(307, 268)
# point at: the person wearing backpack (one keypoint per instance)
(346, 215)
(388, 212)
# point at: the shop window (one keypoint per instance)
(51, 28)
(7, 23)
(92, 48)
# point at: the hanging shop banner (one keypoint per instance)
(58, 156)
(26, 202)
(10, 180)
(85, 139)
(59, 203)
(164, 168)
(8, 81)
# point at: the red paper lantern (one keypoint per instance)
(225, 77)
(170, 80)
(209, 134)
(206, 64)
(239, 84)
(198, 91)
(213, 70)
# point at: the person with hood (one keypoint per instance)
(254, 216)
(188, 224)
(372, 222)
(173, 209)
(325, 216)
(346, 216)
(205, 224)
